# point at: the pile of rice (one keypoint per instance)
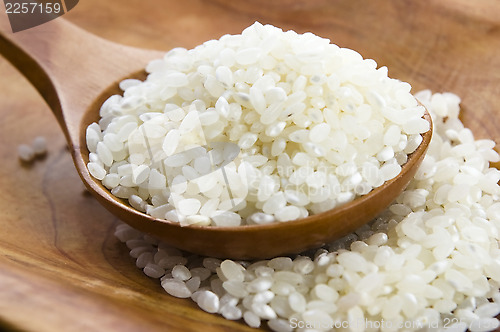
(254, 128)
(430, 261)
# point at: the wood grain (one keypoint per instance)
(61, 269)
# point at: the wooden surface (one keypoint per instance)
(61, 269)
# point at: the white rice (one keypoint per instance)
(254, 128)
(431, 261)
(28, 153)
(40, 145)
(25, 153)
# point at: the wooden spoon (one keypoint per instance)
(76, 72)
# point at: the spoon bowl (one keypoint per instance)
(75, 72)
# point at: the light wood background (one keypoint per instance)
(61, 269)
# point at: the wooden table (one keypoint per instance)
(61, 268)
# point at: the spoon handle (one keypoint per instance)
(68, 66)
